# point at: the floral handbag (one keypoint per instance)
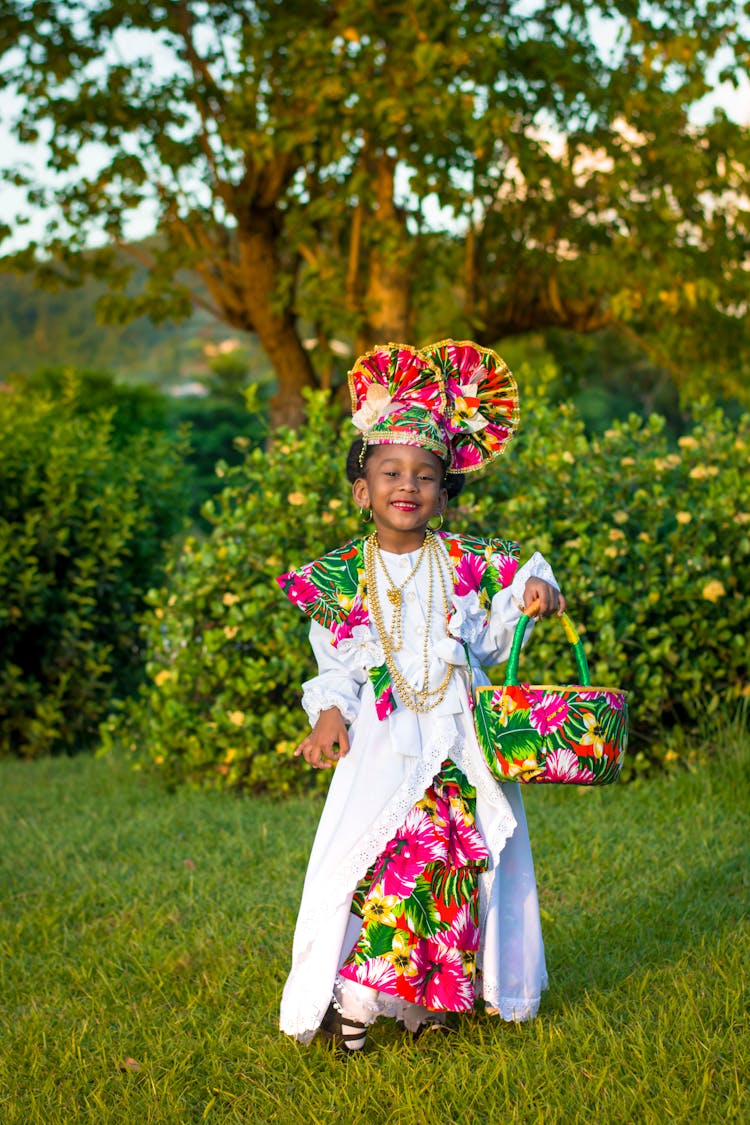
(574, 734)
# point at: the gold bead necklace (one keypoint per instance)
(415, 699)
(394, 592)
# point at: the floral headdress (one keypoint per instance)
(457, 400)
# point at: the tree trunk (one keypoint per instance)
(388, 290)
(275, 328)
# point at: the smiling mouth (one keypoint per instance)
(404, 506)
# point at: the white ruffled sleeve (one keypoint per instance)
(493, 646)
(340, 676)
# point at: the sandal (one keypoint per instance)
(342, 1032)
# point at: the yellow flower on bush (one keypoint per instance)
(230, 632)
(162, 677)
(230, 599)
(687, 442)
(700, 472)
(237, 718)
(620, 516)
(611, 552)
(683, 517)
(296, 498)
(615, 533)
(713, 591)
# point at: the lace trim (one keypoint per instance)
(446, 742)
(367, 1009)
(316, 700)
(479, 776)
(512, 1009)
(535, 567)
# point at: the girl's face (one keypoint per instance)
(403, 486)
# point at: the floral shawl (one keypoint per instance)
(332, 590)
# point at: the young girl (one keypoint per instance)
(420, 894)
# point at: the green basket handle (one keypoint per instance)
(582, 664)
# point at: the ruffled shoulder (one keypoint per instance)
(326, 588)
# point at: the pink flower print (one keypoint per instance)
(468, 361)
(465, 456)
(384, 704)
(465, 843)
(469, 574)
(376, 973)
(301, 591)
(615, 699)
(411, 849)
(463, 932)
(357, 615)
(447, 988)
(506, 568)
(495, 435)
(548, 711)
(562, 765)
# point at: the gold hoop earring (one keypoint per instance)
(439, 526)
(365, 514)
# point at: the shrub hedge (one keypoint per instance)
(85, 516)
(650, 542)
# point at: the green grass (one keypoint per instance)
(137, 925)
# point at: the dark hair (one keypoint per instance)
(453, 483)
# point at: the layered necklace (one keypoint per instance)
(431, 554)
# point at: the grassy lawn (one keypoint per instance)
(144, 940)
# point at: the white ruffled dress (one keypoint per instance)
(390, 764)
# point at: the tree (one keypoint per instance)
(385, 170)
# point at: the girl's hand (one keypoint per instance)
(318, 749)
(550, 600)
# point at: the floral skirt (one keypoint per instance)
(419, 903)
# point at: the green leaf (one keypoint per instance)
(420, 910)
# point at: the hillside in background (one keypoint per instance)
(606, 376)
(39, 328)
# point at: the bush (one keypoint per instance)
(650, 544)
(205, 427)
(134, 407)
(85, 516)
(213, 425)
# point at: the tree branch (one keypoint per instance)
(202, 73)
